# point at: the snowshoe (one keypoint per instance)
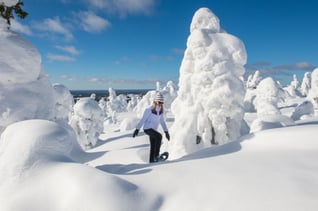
(163, 156)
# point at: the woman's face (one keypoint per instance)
(158, 103)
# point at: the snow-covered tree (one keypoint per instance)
(103, 105)
(295, 82)
(209, 106)
(116, 103)
(87, 122)
(133, 101)
(306, 84)
(253, 80)
(169, 93)
(313, 92)
(171, 88)
(268, 95)
(63, 102)
(294, 88)
(249, 100)
(158, 86)
(145, 102)
(251, 85)
(93, 96)
(303, 110)
(23, 83)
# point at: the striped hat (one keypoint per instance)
(159, 97)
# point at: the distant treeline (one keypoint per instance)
(104, 93)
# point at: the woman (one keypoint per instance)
(150, 121)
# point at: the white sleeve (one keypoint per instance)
(143, 119)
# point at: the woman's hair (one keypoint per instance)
(153, 110)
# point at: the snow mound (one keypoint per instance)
(33, 157)
(128, 124)
(302, 110)
(32, 140)
(271, 121)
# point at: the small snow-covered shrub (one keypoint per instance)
(87, 121)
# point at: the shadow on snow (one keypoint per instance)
(142, 168)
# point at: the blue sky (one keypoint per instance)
(128, 44)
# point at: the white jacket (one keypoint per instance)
(151, 121)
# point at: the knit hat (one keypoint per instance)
(159, 97)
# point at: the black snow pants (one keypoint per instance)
(155, 143)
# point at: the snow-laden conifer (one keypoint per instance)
(313, 92)
(209, 107)
(306, 84)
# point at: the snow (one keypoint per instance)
(270, 170)
(306, 84)
(313, 92)
(19, 57)
(23, 83)
(46, 177)
(87, 122)
(267, 97)
(9, 3)
(64, 102)
(45, 165)
(209, 106)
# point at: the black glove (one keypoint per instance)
(167, 135)
(135, 133)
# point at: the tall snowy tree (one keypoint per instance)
(295, 83)
(313, 92)
(209, 107)
(306, 84)
(251, 85)
(293, 89)
(23, 82)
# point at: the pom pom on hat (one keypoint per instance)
(159, 97)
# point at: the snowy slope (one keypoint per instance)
(270, 170)
(273, 169)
